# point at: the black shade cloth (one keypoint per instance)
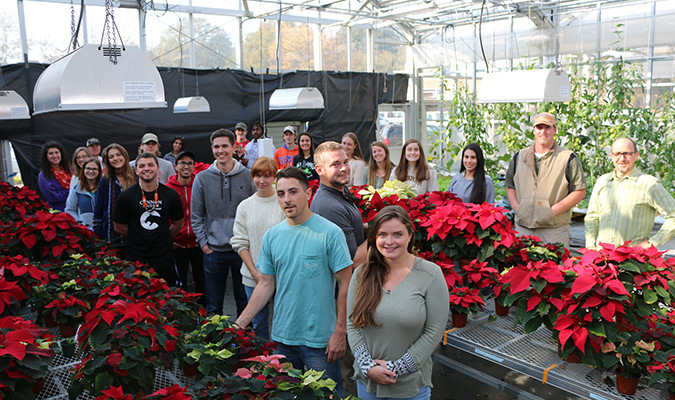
(351, 101)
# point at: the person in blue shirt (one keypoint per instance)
(302, 258)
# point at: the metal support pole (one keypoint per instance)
(85, 33)
(239, 49)
(370, 51)
(141, 29)
(650, 62)
(278, 44)
(318, 47)
(349, 48)
(6, 162)
(193, 46)
(22, 31)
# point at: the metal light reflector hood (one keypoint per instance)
(191, 105)
(296, 98)
(13, 106)
(525, 86)
(86, 80)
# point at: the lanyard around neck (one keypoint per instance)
(145, 201)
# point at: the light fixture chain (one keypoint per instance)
(557, 35)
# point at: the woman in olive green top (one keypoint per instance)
(398, 308)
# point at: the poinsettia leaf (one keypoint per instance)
(596, 328)
(532, 325)
(663, 293)
(103, 381)
(14, 349)
(617, 287)
(629, 265)
(579, 336)
(49, 234)
(583, 283)
(649, 296)
(538, 284)
(29, 240)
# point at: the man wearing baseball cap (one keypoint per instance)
(240, 131)
(94, 145)
(543, 183)
(284, 155)
(150, 144)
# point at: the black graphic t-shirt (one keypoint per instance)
(149, 238)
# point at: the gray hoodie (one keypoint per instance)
(215, 197)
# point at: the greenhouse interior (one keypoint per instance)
(421, 122)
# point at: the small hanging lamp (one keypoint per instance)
(191, 105)
(296, 99)
(12, 105)
(525, 86)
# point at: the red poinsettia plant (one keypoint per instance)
(465, 300)
(68, 310)
(200, 166)
(47, 236)
(175, 392)
(17, 202)
(127, 341)
(25, 355)
(25, 274)
(371, 203)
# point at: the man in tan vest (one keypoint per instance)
(543, 183)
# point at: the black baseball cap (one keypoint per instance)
(185, 153)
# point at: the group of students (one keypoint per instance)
(391, 279)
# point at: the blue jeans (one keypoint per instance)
(424, 394)
(216, 267)
(311, 358)
(261, 324)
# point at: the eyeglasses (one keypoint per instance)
(186, 163)
(91, 169)
(626, 154)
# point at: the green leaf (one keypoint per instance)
(103, 381)
(99, 336)
(596, 328)
(532, 325)
(649, 296)
(629, 266)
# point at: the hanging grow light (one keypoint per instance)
(296, 99)
(525, 86)
(191, 105)
(13, 106)
(86, 80)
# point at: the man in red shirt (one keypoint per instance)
(283, 157)
(186, 249)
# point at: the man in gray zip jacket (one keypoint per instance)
(216, 193)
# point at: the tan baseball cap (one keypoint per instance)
(544, 118)
(289, 128)
(149, 137)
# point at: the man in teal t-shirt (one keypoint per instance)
(302, 258)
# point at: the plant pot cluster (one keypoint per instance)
(128, 322)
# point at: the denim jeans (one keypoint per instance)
(216, 267)
(424, 394)
(261, 324)
(310, 358)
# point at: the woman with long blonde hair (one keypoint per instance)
(118, 177)
(397, 307)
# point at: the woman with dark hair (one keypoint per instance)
(79, 156)
(118, 177)
(81, 201)
(176, 149)
(379, 169)
(355, 156)
(305, 158)
(397, 307)
(471, 184)
(55, 175)
(414, 170)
